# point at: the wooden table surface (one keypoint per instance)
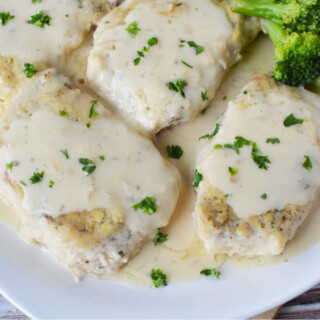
(306, 306)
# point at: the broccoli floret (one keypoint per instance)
(292, 15)
(297, 55)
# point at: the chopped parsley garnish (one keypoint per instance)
(92, 112)
(37, 177)
(146, 49)
(233, 171)
(158, 278)
(178, 86)
(29, 70)
(197, 178)
(88, 124)
(133, 29)
(65, 152)
(198, 48)
(136, 61)
(211, 272)
(140, 53)
(89, 165)
(204, 95)
(273, 140)
(40, 20)
(63, 113)
(211, 135)
(203, 111)
(23, 183)
(307, 164)
(258, 158)
(148, 205)
(240, 142)
(5, 17)
(159, 237)
(51, 183)
(12, 164)
(174, 152)
(232, 146)
(187, 64)
(264, 196)
(224, 98)
(152, 41)
(292, 120)
(245, 92)
(36, 1)
(218, 146)
(102, 158)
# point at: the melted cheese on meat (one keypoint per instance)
(257, 116)
(46, 45)
(127, 165)
(140, 92)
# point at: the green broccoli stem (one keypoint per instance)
(266, 9)
(276, 33)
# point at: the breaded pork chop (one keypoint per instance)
(260, 171)
(84, 186)
(159, 62)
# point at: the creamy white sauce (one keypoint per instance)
(42, 46)
(257, 117)
(140, 92)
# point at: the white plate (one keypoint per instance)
(43, 289)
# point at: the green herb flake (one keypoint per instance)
(152, 41)
(136, 61)
(174, 152)
(40, 20)
(198, 48)
(29, 70)
(264, 196)
(12, 164)
(292, 120)
(233, 171)
(23, 183)
(218, 146)
(5, 17)
(245, 92)
(187, 64)
(204, 95)
(65, 152)
(51, 183)
(102, 158)
(197, 178)
(92, 112)
(36, 177)
(203, 111)
(210, 136)
(232, 147)
(211, 272)
(146, 49)
(159, 237)
(88, 124)
(307, 164)
(140, 53)
(224, 98)
(133, 29)
(258, 158)
(158, 278)
(148, 205)
(36, 1)
(89, 165)
(178, 86)
(240, 142)
(273, 140)
(63, 113)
